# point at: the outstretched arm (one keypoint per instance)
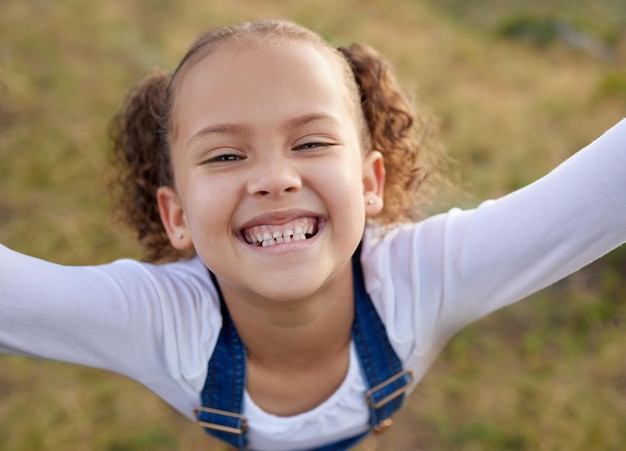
(81, 315)
(511, 247)
(126, 317)
(454, 268)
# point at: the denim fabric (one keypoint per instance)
(222, 394)
(225, 382)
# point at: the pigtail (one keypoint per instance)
(140, 147)
(395, 129)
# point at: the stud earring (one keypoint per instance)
(179, 236)
(370, 201)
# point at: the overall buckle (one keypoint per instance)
(399, 391)
(404, 378)
(218, 427)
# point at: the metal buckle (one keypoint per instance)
(219, 427)
(393, 395)
(383, 425)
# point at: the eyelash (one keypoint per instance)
(312, 145)
(225, 158)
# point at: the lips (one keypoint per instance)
(272, 234)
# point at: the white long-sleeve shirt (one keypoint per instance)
(159, 324)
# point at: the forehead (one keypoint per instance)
(249, 75)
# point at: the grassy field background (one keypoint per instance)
(518, 87)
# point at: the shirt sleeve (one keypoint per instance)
(151, 323)
(435, 277)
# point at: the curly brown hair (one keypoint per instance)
(385, 116)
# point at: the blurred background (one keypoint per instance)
(517, 87)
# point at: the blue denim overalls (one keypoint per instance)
(222, 395)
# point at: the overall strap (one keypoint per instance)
(222, 395)
(385, 376)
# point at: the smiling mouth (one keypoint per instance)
(271, 235)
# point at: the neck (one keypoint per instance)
(298, 333)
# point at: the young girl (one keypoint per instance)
(269, 176)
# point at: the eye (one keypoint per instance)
(228, 157)
(224, 158)
(312, 145)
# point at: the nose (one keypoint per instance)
(274, 176)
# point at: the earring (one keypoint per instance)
(370, 201)
(179, 236)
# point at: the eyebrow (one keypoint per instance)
(244, 129)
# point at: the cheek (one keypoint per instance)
(345, 186)
(204, 202)
(351, 175)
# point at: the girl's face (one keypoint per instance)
(272, 189)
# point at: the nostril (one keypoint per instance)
(290, 189)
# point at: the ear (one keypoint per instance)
(373, 182)
(173, 217)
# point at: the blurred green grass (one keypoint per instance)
(548, 373)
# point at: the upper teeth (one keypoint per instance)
(269, 235)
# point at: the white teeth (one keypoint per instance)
(269, 235)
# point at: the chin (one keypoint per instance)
(289, 292)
